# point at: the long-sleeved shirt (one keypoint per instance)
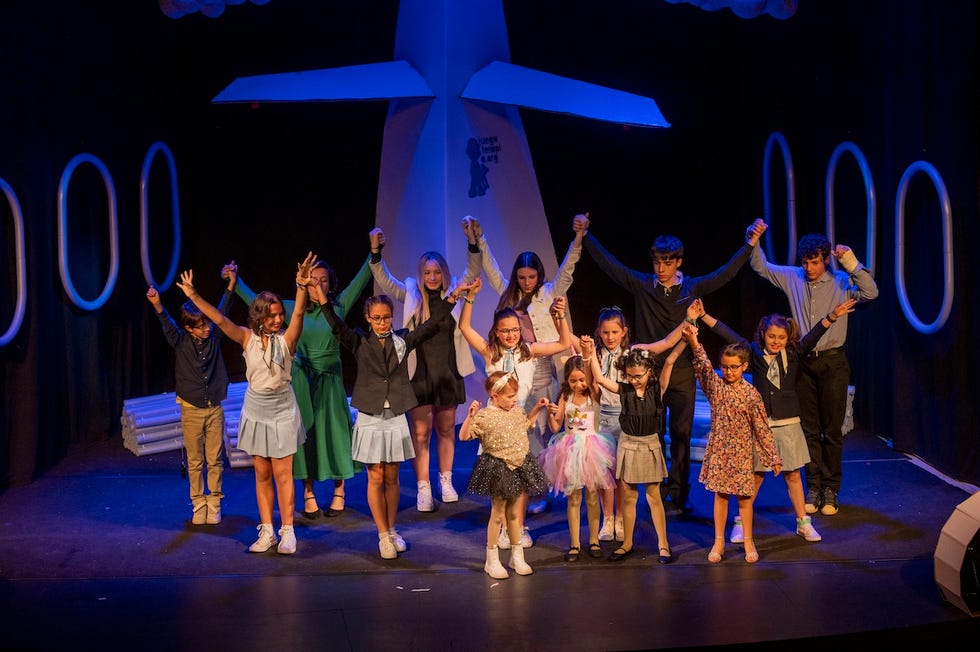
(199, 367)
(809, 302)
(659, 309)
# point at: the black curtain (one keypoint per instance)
(264, 184)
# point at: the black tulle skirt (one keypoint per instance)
(492, 477)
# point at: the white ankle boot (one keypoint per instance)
(517, 561)
(493, 567)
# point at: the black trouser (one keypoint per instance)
(679, 401)
(822, 390)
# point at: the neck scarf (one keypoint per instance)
(508, 363)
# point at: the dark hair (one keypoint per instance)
(614, 313)
(260, 309)
(667, 246)
(191, 316)
(813, 245)
(574, 363)
(777, 321)
(638, 358)
(332, 281)
(378, 299)
(737, 349)
(496, 347)
(513, 297)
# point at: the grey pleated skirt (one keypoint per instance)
(382, 438)
(270, 424)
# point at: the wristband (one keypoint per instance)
(831, 318)
(692, 322)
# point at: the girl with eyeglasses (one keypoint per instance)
(639, 455)
(437, 367)
(739, 429)
(382, 395)
(776, 354)
(505, 349)
(529, 293)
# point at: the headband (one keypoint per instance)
(499, 385)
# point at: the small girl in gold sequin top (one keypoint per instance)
(505, 470)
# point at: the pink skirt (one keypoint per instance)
(573, 461)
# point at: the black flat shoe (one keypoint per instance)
(331, 512)
(572, 554)
(315, 513)
(665, 557)
(619, 554)
(595, 550)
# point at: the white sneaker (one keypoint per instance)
(503, 541)
(387, 547)
(608, 530)
(397, 541)
(287, 545)
(738, 535)
(449, 494)
(267, 538)
(619, 532)
(423, 500)
(804, 528)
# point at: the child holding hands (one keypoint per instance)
(738, 424)
(382, 395)
(506, 471)
(270, 427)
(775, 357)
(577, 457)
(639, 455)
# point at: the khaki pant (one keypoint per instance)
(204, 432)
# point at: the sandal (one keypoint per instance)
(316, 510)
(715, 557)
(572, 554)
(751, 557)
(595, 550)
(330, 511)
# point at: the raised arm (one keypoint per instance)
(563, 279)
(721, 329)
(350, 294)
(668, 366)
(694, 310)
(564, 341)
(234, 332)
(304, 278)
(591, 361)
(382, 275)
(473, 338)
(866, 288)
(491, 269)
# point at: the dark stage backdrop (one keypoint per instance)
(264, 184)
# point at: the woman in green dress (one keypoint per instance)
(320, 388)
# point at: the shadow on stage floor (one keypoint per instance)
(99, 554)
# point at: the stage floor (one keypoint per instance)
(99, 553)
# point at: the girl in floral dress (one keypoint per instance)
(738, 419)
